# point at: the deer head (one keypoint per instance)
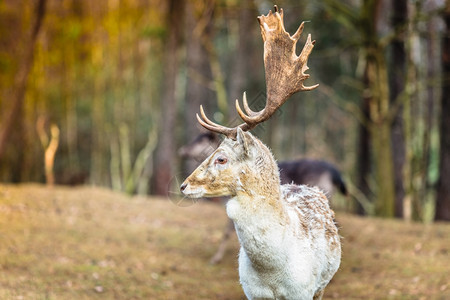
(240, 153)
(229, 168)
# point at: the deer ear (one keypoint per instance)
(242, 140)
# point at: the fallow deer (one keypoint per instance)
(319, 173)
(290, 247)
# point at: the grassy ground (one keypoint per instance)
(84, 243)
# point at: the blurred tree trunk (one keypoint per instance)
(99, 85)
(99, 140)
(165, 152)
(241, 60)
(397, 86)
(14, 119)
(443, 190)
(380, 133)
(375, 140)
(430, 75)
(380, 125)
(364, 155)
(419, 109)
(68, 80)
(198, 87)
(218, 77)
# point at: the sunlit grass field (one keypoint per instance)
(91, 243)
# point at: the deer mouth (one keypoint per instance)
(192, 192)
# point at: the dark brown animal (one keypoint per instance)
(311, 172)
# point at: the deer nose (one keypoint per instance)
(183, 186)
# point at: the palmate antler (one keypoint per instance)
(285, 73)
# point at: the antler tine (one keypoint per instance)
(299, 31)
(205, 118)
(246, 107)
(303, 59)
(210, 125)
(241, 113)
(285, 73)
(250, 113)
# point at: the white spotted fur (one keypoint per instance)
(290, 248)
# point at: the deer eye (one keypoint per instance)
(221, 160)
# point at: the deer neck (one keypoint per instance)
(258, 189)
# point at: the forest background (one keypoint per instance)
(105, 92)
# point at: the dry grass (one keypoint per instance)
(86, 243)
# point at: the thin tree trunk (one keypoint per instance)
(382, 149)
(397, 86)
(99, 141)
(430, 103)
(380, 132)
(21, 79)
(379, 108)
(198, 89)
(67, 79)
(165, 153)
(443, 190)
(364, 155)
(242, 62)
